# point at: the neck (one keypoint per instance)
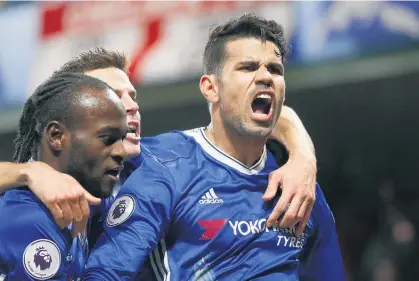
(243, 148)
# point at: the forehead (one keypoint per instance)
(114, 77)
(102, 109)
(252, 48)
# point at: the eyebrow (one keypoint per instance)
(277, 65)
(132, 93)
(112, 130)
(254, 62)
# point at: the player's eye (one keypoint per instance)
(276, 70)
(248, 68)
(108, 140)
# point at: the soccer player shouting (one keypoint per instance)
(192, 208)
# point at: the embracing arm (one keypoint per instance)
(67, 200)
(297, 177)
(290, 131)
(13, 175)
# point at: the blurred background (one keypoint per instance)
(353, 78)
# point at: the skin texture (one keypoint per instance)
(91, 146)
(251, 67)
(119, 82)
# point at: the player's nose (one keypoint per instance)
(131, 107)
(264, 76)
(118, 152)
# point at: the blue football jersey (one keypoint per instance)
(32, 246)
(191, 212)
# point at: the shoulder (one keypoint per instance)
(165, 140)
(33, 215)
(22, 202)
(150, 175)
(21, 195)
(163, 149)
(172, 146)
(32, 237)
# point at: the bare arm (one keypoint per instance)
(290, 131)
(13, 175)
(297, 177)
(63, 195)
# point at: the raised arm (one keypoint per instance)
(291, 132)
(63, 195)
(297, 177)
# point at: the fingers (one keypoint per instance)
(80, 226)
(304, 213)
(291, 215)
(84, 207)
(74, 203)
(279, 209)
(302, 224)
(73, 207)
(273, 185)
(91, 199)
(55, 210)
(67, 212)
(58, 214)
(67, 201)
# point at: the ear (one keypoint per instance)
(209, 88)
(56, 134)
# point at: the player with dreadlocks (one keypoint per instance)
(75, 124)
(68, 201)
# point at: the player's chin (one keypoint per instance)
(107, 186)
(259, 129)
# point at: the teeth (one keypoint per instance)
(132, 128)
(263, 96)
(132, 134)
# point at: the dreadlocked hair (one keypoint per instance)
(51, 101)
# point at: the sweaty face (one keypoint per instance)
(252, 87)
(119, 81)
(96, 149)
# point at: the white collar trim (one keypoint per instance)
(199, 135)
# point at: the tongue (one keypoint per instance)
(259, 110)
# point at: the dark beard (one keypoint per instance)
(78, 168)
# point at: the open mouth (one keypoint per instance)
(262, 104)
(114, 172)
(134, 129)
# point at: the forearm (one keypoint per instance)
(13, 175)
(290, 131)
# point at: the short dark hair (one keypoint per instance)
(97, 58)
(53, 100)
(248, 25)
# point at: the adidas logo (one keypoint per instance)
(210, 198)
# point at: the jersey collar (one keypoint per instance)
(199, 135)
